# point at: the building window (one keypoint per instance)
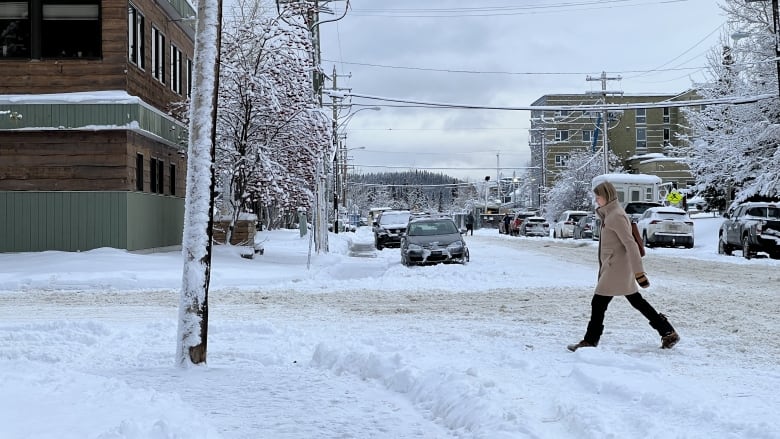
(139, 172)
(158, 55)
(15, 30)
(172, 179)
(561, 160)
(160, 177)
(189, 77)
(152, 175)
(36, 29)
(175, 69)
(70, 29)
(641, 139)
(667, 135)
(641, 116)
(561, 135)
(666, 116)
(135, 36)
(587, 135)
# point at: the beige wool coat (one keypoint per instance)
(619, 257)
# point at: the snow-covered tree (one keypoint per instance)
(733, 149)
(572, 188)
(271, 130)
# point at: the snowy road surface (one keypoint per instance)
(367, 348)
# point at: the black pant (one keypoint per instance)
(470, 227)
(599, 306)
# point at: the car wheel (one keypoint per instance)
(404, 262)
(723, 248)
(746, 251)
(646, 241)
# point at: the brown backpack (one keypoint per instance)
(638, 239)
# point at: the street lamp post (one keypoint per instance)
(338, 146)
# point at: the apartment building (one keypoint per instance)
(639, 137)
(90, 155)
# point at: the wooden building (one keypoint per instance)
(90, 155)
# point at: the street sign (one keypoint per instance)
(674, 197)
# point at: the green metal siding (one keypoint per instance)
(75, 116)
(76, 221)
(154, 220)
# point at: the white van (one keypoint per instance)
(634, 187)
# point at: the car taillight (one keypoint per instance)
(587, 227)
(569, 223)
(690, 223)
(655, 221)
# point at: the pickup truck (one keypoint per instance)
(753, 227)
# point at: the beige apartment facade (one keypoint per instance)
(641, 138)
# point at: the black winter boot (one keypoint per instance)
(591, 340)
(669, 336)
(581, 344)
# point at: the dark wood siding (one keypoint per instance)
(82, 161)
(113, 71)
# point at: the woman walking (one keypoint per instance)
(620, 270)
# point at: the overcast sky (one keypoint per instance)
(499, 53)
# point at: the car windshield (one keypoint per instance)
(394, 218)
(536, 220)
(576, 218)
(429, 228)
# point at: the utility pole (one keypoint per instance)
(604, 78)
(313, 22)
(201, 188)
(339, 150)
(335, 155)
(775, 27)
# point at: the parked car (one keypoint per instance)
(389, 228)
(583, 229)
(517, 222)
(666, 226)
(564, 227)
(431, 240)
(535, 226)
(635, 209)
(753, 227)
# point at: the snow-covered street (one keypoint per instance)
(364, 347)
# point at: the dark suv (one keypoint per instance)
(389, 228)
(753, 227)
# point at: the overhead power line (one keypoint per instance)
(493, 11)
(501, 72)
(735, 100)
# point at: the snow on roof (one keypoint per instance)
(626, 178)
(92, 97)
